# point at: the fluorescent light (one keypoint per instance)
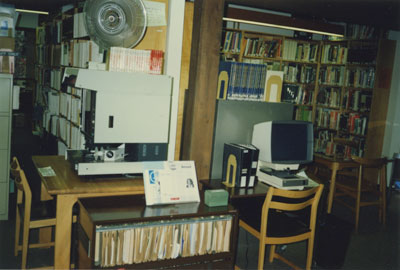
(283, 27)
(32, 11)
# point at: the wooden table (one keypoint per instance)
(68, 187)
(259, 189)
(334, 165)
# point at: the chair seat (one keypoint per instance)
(41, 210)
(280, 224)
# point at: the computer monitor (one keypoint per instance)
(284, 144)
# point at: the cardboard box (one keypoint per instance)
(7, 43)
(7, 64)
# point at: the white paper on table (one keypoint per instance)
(47, 171)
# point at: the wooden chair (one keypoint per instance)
(25, 212)
(286, 217)
(363, 187)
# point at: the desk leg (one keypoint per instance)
(332, 188)
(62, 249)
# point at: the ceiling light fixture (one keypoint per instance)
(283, 22)
(32, 11)
(284, 27)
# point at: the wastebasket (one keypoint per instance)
(331, 242)
(395, 180)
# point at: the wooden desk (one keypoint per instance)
(259, 189)
(122, 210)
(68, 187)
(334, 165)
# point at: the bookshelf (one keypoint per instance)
(332, 83)
(177, 236)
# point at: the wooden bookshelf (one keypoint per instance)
(339, 85)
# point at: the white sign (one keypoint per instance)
(168, 182)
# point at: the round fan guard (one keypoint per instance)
(117, 23)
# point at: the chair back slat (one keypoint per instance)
(290, 200)
(291, 206)
(370, 162)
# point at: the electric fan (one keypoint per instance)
(119, 23)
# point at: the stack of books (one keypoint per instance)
(131, 60)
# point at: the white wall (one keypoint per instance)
(392, 131)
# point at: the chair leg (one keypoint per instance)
(17, 232)
(357, 213)
(360, 175)
(25, 243)
(272, 253)
(310, 248)
(383, 196)
(261, 255)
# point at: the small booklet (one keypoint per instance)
(168, 182)
(47, 171)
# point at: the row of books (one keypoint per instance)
(232, 42)
(356, 123)
(360, 77)
(346, 151)
(70, 108)
(68, 28)
(40, 35)
(241, 81)
(332, 75)
(326, 118)
(55, 78)
(353, 123)
(49, 55)
(296, 51)
(357, 100)
(146, 242)
(297, 94)
(131, 60)
(303, 114)
(50, 123)
(78, 53)
(323, 143)
(334, 54)
(357, 31)
(263, 47)
(329, 96)
(79, 28)
(296, 73)
(70, 134)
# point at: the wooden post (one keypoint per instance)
(203, 78)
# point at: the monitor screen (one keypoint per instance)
(284, 142)
(289, 142)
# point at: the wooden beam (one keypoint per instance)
(200, 102)
(184, 81)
